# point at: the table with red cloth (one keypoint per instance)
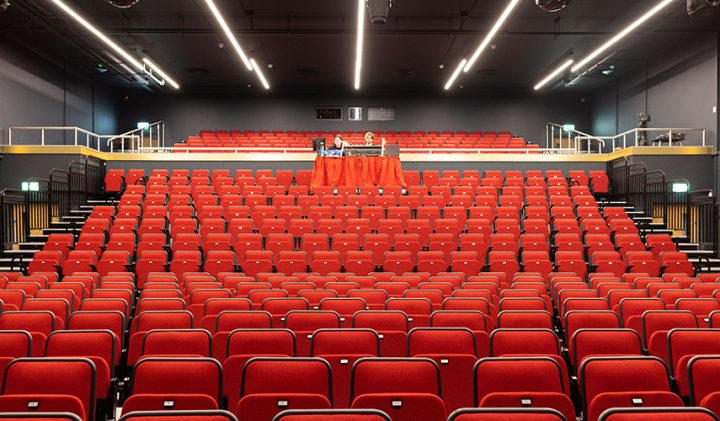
(357, 171)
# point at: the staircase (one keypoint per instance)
(19, 257)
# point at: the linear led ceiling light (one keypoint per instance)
(228, 33)
(260, 75)
(119, 50)
(248, 62)
(642, 19)
(490, 35)
(466, 65)
(554, 74)
(455, 74)
(154, 69)
(359, 42)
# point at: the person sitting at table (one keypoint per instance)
(369, 139)
(338, 144)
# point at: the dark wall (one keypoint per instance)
(37, 92)
(523, 114)
(14, 169)
(678, 89)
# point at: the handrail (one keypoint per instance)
(139, 133)
(638, 131)
(550, 137)
(77, 132)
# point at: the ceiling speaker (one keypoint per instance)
(702, 8)
(123, 4)
(552, 5)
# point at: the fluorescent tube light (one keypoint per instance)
(652, 12)
(124, 54)
(161, 73)
(359, 42)
(260, 75)
(489, 37)
(455, 74)
(229, 34)
(554, 74)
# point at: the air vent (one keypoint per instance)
(197, 70)
(381, 113)
(307, 71)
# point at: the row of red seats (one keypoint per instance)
(598, 179)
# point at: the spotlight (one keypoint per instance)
(552, 5)
(123, 4)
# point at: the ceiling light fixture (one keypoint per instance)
(652, 12)
(229, 34)
(490, 35)
(124, 54)
(549, 78)
(455, 74)
(359, 42)
(260, 75)
(160, 72)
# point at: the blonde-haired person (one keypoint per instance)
(369, 139)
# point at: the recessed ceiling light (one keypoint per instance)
(270, 65)
(441, 66)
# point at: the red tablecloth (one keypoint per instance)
(357, 171)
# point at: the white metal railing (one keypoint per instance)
(640, 137)
(556, 134)
(80, 137)
(147, 137)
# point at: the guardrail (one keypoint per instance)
(639, 137)
(24, 211)
(153, 133)
(79, 136)
(693, 212)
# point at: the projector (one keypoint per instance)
(702, 8)
(123, 4)
(378, 10)
(552, 5)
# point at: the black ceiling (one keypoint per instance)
(311, 43)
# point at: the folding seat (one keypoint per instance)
(50, 385)
(392, 326)
(571, 261)
(418, 310)
(14, 344)
(522, 319)
(185, 261)
(406, 389)
(149, 320)
(217, 242)
(176, 343)
(257, 261)
(292, 261)
(454, 351)
(374, 298)
(676, 262)
(657, 324)
(398, 262)
(619, 382)
(587, 343)
(79, 261)
(503, 261)
(684, 344)
(331, 201)
(671, 296)
(245, 242)
(449, 226)
(506, 414)
(163, 383)
(324, 262)
(702, 308)
(503, 242)
(516, 382)
(59, 307)
(589, 318)
(432, 262)
(631, 311)
(38, 323)
(359, 262)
